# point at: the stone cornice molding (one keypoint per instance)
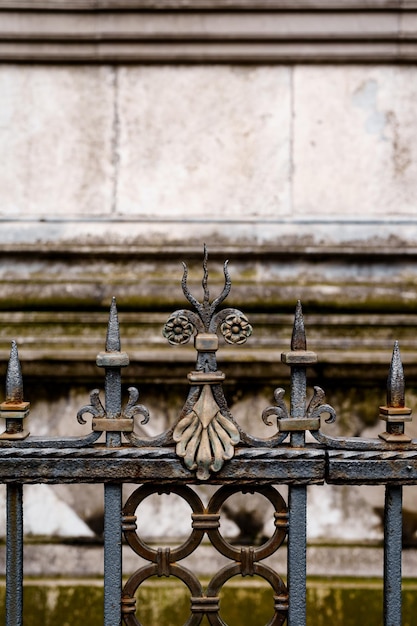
(203, 31)
(257, 237)
(207, 5)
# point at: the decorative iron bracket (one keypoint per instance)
(206, 433)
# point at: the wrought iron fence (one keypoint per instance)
(207, 445)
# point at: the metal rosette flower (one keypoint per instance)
(206, 433)
(236, 328)
(178, 329)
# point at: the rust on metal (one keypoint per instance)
(118, 425)
(298, 424)
(298, 339)
(206, 378)
(395, 381)
(206, 519)
(112, 359)
(206, 342)
(14, 409)
(395, 413)
(206, 433)
(299, 357)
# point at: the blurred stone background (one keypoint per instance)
(281, 135)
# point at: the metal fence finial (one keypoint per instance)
(395, 381)
(113, 329)
(14, 378)
(110, 418)
(112, 360)
(113, 357)
(14, 409)
(299, 355)
(298, 339)
(395, 413)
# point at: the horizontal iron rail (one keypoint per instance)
(290, 466)
(301, 466)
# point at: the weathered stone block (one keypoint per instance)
(354, 141)
(56, 139)
(204, 142)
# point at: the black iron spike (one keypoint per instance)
(113, 329)
(298, 339)
(14, 378)
(395, 381)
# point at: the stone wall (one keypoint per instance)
(134, 132)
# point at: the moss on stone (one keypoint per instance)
(339, 601)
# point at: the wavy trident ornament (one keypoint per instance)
(206, 433)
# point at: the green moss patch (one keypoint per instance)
(247, 602)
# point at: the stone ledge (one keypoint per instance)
(255, 236)
(235, 5)
(55, 559)
(64, 344)
(57, 280)
(191, 32)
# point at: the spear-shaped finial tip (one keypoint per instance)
(395, 382)
(14, 378)
(113, 330)
(298, 339)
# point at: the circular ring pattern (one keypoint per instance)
(135, 541)
(277, 584)
(163, 560)
(272, 544)
(148, 571)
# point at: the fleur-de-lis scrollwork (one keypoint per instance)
(132, 408)
(317, 406)
(96, 409)
(280, 410)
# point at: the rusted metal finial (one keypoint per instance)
(395, 381)
(298, 339)
(14, 409)
(113, 357)
(395, 413)
(14, 378)
(110, 418)
(298, 359)
(113, 329)
(299, 355)
(112, 360)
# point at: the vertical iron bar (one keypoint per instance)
(298, 402)
(112, 554)
(395, 413)
(15, 410)
(14, 556)
(113, 400)
(113, 360)
(297, 499)
(297, 554)
(392, 555)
